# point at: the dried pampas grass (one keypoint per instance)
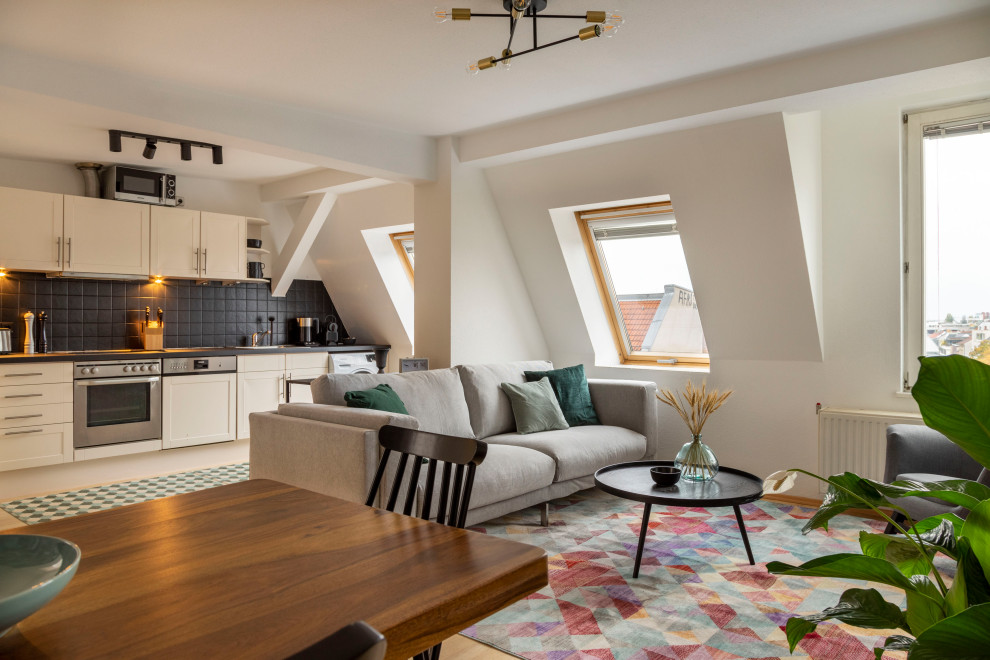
(698, 403)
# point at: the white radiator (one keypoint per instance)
(856, 440)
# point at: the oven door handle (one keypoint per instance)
(118, 381)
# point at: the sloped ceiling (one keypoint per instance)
(734, 197)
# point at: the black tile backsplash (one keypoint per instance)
(106, 314)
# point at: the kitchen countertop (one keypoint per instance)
(84, 356)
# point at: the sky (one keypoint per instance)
(645, 265)
(957, 226)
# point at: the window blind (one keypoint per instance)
(956, 128)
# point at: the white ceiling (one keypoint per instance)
(388, 64)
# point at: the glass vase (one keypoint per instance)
(697, 461)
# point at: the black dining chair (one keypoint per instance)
(358, 641)
(460, 457)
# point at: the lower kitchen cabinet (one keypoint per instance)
(257, 391)
(198, 410)
(34, 446)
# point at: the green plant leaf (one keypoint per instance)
(925, 605)
(846, 491)
(899, 551)
(894, 643)
(940, 531)
(961, 492)
(970, 571)
(964, 636)
(864, 608)
(847, 565)
(977, 530)
(951, 392)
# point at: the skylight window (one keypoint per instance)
(644, 283)
(405, 247)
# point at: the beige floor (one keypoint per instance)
(457, 646)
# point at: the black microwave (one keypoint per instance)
(135, 185)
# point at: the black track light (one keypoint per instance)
(149, 148)
(115, 141)
(186, 149)
(217, 155)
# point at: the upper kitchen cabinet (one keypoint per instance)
(31, 227)
(106, 236)
(175, 242)
(223, 241)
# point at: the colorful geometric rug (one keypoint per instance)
(696, 597)
(72, 503)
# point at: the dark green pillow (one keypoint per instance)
(571, 388)
(381, 397)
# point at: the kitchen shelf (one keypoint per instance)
(257, 221)
(258, 250)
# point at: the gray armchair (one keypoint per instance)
(920, 453)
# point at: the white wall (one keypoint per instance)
(345, 264)
(770, 422)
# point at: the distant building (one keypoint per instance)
(665, 322)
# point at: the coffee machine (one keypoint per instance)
(309, 330)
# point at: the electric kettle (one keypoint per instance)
(6, 340)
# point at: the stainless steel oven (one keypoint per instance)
(116, 401)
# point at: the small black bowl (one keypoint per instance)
(254, 242)
(665, 475)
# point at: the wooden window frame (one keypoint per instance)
(609, 303)
(397, 239)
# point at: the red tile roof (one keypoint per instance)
(637, 316)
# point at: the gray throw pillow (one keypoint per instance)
(535, 406)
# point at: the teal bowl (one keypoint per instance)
(33, 570)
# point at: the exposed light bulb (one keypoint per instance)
(615, 17)
(609, 29)
(472, 68)
(441, 15)
(504, 65)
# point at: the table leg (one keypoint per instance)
(642, 537)
(742, 530)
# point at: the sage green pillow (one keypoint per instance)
(381, 397)
(535, 407)
(571, 388)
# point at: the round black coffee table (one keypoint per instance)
(632, 481)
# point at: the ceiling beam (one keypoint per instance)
(292, 255)
(327, 180)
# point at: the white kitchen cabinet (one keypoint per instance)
(106, 236)
(199, 409)
(175, 242)
(31, 227)
(257, 391)
(223, 242)
(34, 446)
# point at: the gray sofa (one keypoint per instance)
(329, 448)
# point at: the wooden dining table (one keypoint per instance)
(260, 569)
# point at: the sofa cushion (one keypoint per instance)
(380, 397)
(489, 407)
(363, 418)
(580, 450)
(535, 407)
(509, 471)
(571, 389)
(434, 397)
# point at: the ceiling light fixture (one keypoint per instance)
(603, 24)
(151, 145)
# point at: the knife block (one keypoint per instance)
(153, 335)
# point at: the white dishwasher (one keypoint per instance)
(199, 401)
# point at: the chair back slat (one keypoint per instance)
(468, 487)
(444, 491)
(460, 458)
(413, 483)
(455, 495)
(379, 473)
(393, 494)
(431, 477)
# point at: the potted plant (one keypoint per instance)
(941, 620)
